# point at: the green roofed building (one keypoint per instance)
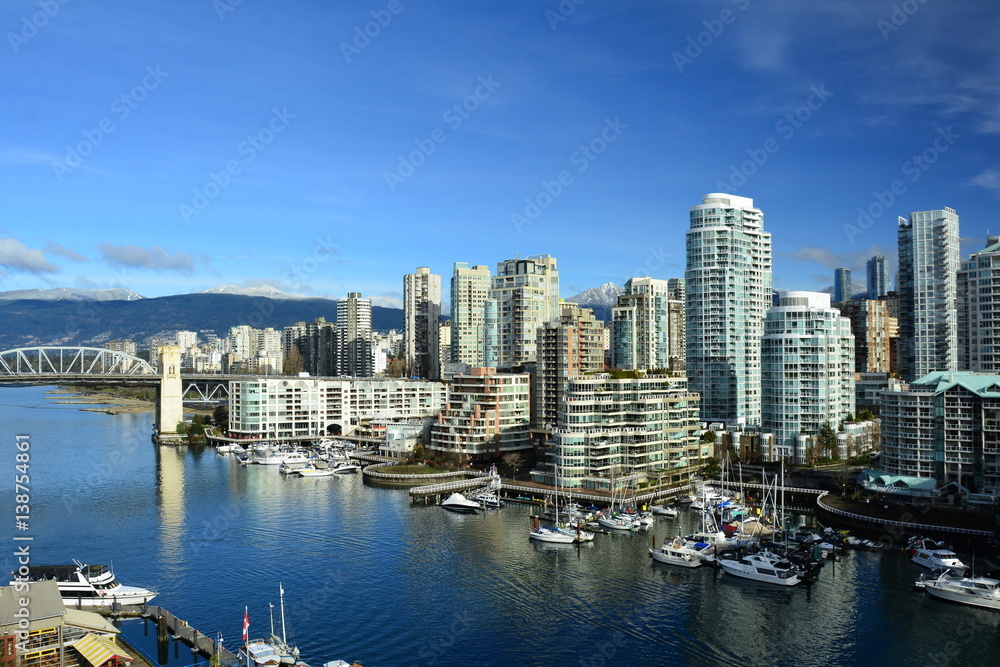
(945, 427)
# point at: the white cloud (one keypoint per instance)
(155, 258)
(989, 179)
(15, 256)
(54, 248)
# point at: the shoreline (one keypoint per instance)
(110, 404)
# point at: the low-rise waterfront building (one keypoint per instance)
(47, 633)
(486, 416)
(314, 407)
(945, 427)
(628, 428)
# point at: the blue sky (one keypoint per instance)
(320, 147)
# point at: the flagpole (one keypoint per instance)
(246, 634)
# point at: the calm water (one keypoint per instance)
(372, 578)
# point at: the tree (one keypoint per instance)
(221, 417)
(396, 368)
(827, 440)
(708, 436)
(865, 415)
(514, 460)
(712, 468)
(293, 362)
(181, 429)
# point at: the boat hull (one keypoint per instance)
(668, 558)
(551, 536)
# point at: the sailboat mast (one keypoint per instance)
(281, 600)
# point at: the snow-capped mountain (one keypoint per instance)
(265, 291)
(71, 294)
(599, 299)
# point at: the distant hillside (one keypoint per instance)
(36, 322)
(70, 294)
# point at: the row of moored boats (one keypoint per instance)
(324, 459)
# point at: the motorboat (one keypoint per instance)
(975, 591)
(267, 457)
(316, 472)
(459, 503)
(227, 448)
(934, 555)
(663, 510)
(763, 566)
(294, 458)
(88, 585)
(292, 468)
(675, 552)
(344, 467)
(490, 500)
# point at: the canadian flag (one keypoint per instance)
(246, 624)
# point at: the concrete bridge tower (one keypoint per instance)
(169, 403)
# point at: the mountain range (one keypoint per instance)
(599, 299)
(70, 294)
(52, 320)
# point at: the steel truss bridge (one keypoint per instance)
(95, 365)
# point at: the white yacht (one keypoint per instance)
(316, 472)
(974, 591)
(459, 503)
(934, 555)
(663, 510)
(544, 534)
(674, 552)
(89, 585)
(616, 521)
(762, 566)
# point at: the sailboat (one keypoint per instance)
(614, 520)
(557, 533)
(273, 651)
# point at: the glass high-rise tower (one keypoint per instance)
(728, 290)
(929, 260)
(878, 277)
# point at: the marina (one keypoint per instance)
(372, 576)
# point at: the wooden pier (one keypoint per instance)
(169, 626)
